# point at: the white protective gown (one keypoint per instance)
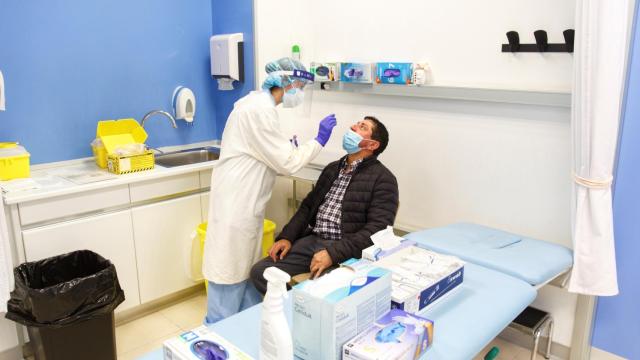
(253, 152)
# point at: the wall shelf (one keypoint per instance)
(509, 96)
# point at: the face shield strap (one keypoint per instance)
(299, 75)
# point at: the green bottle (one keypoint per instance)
(295, 52)
(492, 354)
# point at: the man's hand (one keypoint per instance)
(279, 249)
(320, 262)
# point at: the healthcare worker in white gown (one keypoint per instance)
(253, 152)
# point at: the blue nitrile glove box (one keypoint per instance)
(398, 335)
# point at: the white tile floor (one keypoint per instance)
(508, 351)
(146, 334)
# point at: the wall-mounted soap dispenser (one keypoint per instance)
(184, 104)
(227, 59)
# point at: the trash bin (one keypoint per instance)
(268, 237)
(67, 304)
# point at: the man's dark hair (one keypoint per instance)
(379, 134)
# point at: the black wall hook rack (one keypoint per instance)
(541, 45)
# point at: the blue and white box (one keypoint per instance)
(396, 336)
(361, 73)
(421, 277)
(394, 73)
(329, 311)
(201, 343)
(377, 252)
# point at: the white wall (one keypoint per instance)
(460, 39)
(505, 166)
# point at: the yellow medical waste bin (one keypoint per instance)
(268, 236)
(14, 161)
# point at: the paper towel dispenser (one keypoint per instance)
(227, 59)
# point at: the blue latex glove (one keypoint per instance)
(326, 127)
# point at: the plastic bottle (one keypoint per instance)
(275, 337)
(295, 52)
(492, 354)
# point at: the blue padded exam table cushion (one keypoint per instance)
(530, 260)
(466, 319)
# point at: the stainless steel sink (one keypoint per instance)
(188, 156)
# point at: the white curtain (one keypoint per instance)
(6, 263)
(602, 32)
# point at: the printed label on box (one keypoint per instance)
(125, 165)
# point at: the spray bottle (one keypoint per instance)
(275, 337)
(295, 52)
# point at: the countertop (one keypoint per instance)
(79, 175)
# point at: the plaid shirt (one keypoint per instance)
(328, 219)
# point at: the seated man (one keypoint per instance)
(354, 198)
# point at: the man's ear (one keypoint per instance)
(371, 145)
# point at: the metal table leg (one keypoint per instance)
(549, 340)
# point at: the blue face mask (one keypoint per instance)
(292, 98)
(350, 142)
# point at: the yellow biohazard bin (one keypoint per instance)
(14, 161)
(268, 237)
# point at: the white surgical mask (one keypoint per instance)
(293, 98)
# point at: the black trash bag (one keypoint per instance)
(64, 289)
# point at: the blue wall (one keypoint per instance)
(232, 17)
(617, 326)
(70, 63)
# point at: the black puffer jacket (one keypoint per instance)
(370, 204)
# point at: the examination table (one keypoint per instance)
(502, 273)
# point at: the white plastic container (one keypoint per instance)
(275, 337)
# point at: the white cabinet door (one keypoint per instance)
(108, 235)
(162, 232)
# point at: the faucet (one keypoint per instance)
(153, 112)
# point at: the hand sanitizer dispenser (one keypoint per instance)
(227, 59)
(184, 104)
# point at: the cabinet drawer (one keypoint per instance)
(74, 204)
(162, 187)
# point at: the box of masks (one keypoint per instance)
(420, 277)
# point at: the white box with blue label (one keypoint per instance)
(394, 73)
(396, 336)
(376, 252)
(361, 73)
(329, 311)
(421, 277)
(201, 343)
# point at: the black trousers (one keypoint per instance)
(296, 262)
